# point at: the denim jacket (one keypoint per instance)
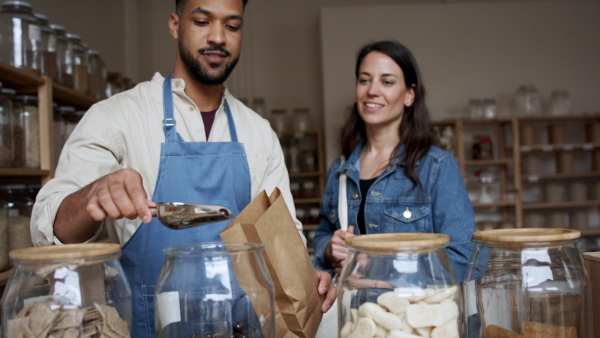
(443, 206)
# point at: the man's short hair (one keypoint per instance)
(181, 3)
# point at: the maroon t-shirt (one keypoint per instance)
(208, 118)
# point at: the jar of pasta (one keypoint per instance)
(526, 282)
(75, 290)
(399, 285)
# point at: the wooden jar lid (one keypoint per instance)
(62, 252)
(527, 235)
(397, 241)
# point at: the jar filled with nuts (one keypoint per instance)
(532, 284)
(399, 285)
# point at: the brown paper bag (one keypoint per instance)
(267, 221)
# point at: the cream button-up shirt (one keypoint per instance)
(126, 131)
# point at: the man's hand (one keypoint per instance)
(116, 195)
(325, 287)
(336, 251)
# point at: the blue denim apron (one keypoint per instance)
(190, 172)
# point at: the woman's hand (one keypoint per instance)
(336, 251)
(325, 287)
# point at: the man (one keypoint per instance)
(184, 138)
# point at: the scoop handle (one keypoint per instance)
(153, 211)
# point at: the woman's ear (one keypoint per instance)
(410, 96)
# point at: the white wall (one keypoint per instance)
(468, 50)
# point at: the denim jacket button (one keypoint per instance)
(355, 196)
(332, 216)
(407, 213)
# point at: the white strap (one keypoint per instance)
(343, 201)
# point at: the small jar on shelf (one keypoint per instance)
(79, 66)
(528, 101)
(3, 233)
(295, 189)
(96, 75)
(17, 128)
(565, 162)
(309, 190)
(19, 206)
(560, 103)
(475, 109)
(279, 121)
(301, 118)
(313, 215)
(21, 34)
(31, 130)
(48, 60)
(309, 163)
(63, 57)
(6, 135)
(489, 108)
(482, 148)
(301, 215)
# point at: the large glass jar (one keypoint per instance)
(96, 75)
(5, 131)
(20, 206)
(527, 282)
(223, 289)
(70, 120)
(3, 233)
(399, 285)
(18, 131)
(279, 121)
(63, 56)
(31, 130)
(21, 35)
(75, 290)
(48, 59)
(79, 66)
(528, 101)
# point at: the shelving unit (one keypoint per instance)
(519, 190)
(313, 139)
(26, 82)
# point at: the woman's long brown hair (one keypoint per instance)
(415, 131)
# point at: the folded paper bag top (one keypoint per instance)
(267, 221)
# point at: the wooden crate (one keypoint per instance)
(592, 265)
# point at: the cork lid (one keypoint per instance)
(397, 241)
(529, 235)
(67, 251)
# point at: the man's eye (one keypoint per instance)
(201, 22)
(233, 28)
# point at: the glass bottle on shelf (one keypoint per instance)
(96, 75)
(48, 60)
(528, 101)
(6, 136)
(21, 35)
(18, 128)
(279, 121)
(79, 67)
(63, 57)
(301, 120)
(31, 130)
(475, 109)
(489, 109)
(560, 103)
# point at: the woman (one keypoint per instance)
(397, 180)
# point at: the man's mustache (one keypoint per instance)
(214, 49)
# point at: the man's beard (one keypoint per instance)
(195, 68)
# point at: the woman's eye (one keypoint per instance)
(388, 83)
(363, 81)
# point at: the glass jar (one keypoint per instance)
(96, 75)
(31, 130)
(114, 84)
(528, 101)
(21, 35)
(70, 119)
(301, 121)
(489, 109)
(221, 288)
(48, 58)
(294, 157)
(20, 206)
(399, 283)
(6, 131)
(279, 121)
(18, 131)
(482, 148)
(560, 103)
(527, 282)
(79, 66)
(309, 189)
(82, 288)
(475, 109)
(63, 57)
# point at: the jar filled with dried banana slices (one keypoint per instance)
(399, 285)
(75, 290)
(526, 283)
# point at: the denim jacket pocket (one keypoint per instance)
(408, 216)
(331, 213)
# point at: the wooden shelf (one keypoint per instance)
(13, 77)
(495, 204)
(67, 96)
(305, 174)
(536, 178)
(307, 200)
(309, 227)
(560, 147)
(23, 172)
(489, 162)
(4, 277)
(591, 232)
(568, 118)
(557, 205)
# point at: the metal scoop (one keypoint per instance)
(176, 215)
